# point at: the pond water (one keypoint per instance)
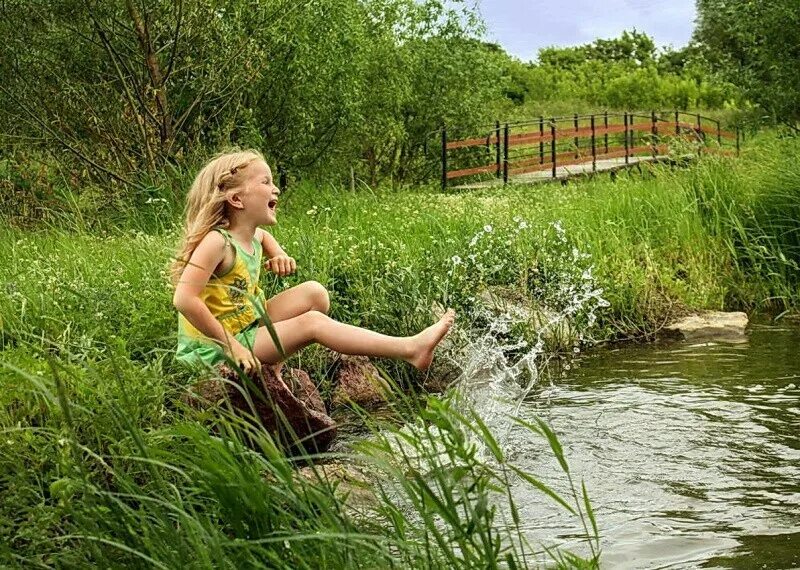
(690, 453)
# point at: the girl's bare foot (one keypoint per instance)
(425, 342)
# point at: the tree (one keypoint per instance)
(757, 46)
(128, 87)
(631, 47)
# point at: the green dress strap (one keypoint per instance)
(252, 261)
(236, 245)
(225, 234)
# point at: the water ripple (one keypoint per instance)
(690, 452)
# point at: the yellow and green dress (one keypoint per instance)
(235, 300)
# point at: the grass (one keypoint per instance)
(102, 464)
(114, 488)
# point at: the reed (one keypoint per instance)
(101, 464)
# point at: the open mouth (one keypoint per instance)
(271, 204)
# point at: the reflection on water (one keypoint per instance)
(690, 452)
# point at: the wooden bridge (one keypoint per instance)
(561, 147)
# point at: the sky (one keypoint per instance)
(524, 26)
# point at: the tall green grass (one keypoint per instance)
(101, 464)
(114, 488)
(721, 234)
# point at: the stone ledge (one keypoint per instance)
(709, 325)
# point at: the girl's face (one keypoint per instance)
(260, 197)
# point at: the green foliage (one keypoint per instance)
(118, 92)
(71, 288)
(631, 47)
(620, 73)
(110, 106)
(97, 293)
(755, 44)
(123, 483)
(124, 475)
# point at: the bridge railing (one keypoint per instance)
(510, 149)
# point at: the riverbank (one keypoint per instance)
(88, 333)
(720, 235)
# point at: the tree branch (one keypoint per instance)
(113, 56)
(154, 69)
(63, 142)
(174, 42)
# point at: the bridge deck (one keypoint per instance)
(568, 171)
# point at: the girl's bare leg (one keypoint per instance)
(308, 296)
(314, 326)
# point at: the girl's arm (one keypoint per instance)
(277, 260)
(271, 246)
(208, 254)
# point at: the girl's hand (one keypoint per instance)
(281, 265)
(242, 356)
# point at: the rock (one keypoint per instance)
(303, 411)
(305, 390)
(204, 392)
(350, 482)
(710, 325)
(499, 300)
(554, 327)
(358, 382)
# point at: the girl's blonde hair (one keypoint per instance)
(205, 203)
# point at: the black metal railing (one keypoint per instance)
(522, 147)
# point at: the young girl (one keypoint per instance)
(216, 277)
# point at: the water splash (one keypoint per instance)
(557, 315)
(507, 350)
